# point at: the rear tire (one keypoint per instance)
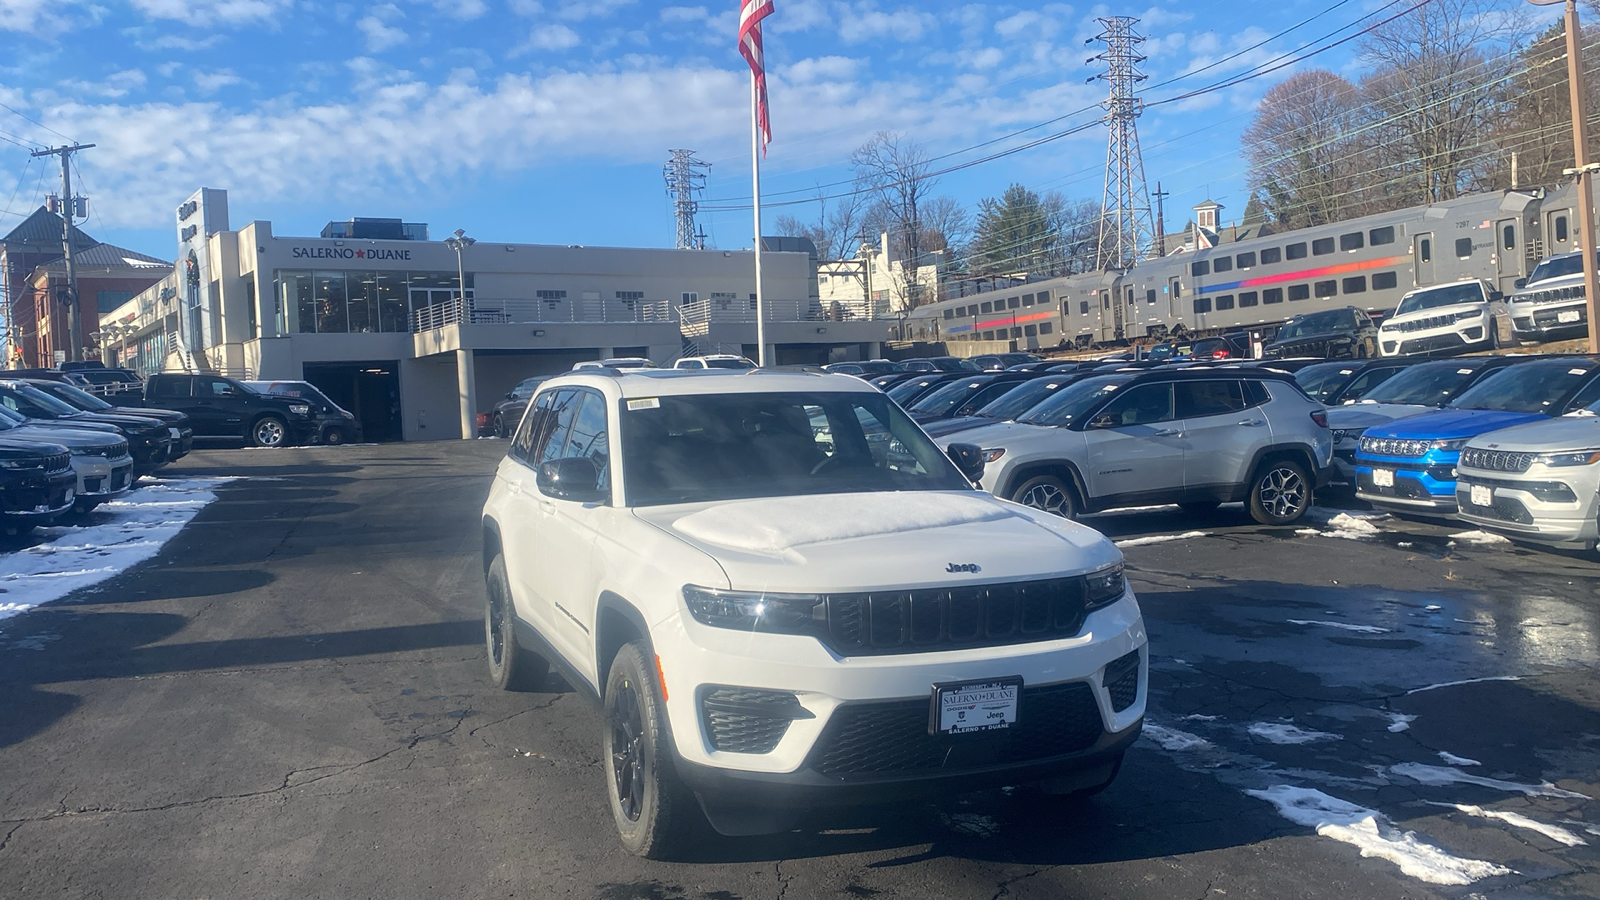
(269, 431)
(334, 437)
(1280, 492)
(650, 805)
(511, 668)
(499, 425)
(1046, 493)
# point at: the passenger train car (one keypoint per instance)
(1370, 263)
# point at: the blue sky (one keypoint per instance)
(547, 121)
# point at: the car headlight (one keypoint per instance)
(300, 409)
(1570, 458)
(1458, 444)
(755, 610)
(1340, 435)
(20, 462)
(1104, 586)
(990, 456)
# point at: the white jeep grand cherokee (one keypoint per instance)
(784, 596)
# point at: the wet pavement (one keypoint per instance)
(290, 700)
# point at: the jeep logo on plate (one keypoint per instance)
(963, 567)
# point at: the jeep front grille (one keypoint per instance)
(1497, 460)
(951, 618)
(1393, 447)
(60, 462)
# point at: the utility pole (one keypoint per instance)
(686, 177)
(1161, 219)
(68, 207)
(1125, 208)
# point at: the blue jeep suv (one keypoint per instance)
(1409, 465)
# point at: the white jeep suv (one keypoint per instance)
(784, 596)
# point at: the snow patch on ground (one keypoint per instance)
(1173, 739)
(1374, 835)
(1281, 733)
(1445, 684)
(1553, 832)
(1364, 629)
(1455, 760)
(1482, 538)
(1161, 539)
(75, 557)
(1399, 722)
(1439, 775)
(1196, 717)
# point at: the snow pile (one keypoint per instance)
(1364, 629)
(1173, 739)
(1553, 832)
(1439, 775)
(1481, 538)
(776, 524)
(1445, 684)
(75, 557)
(1161, 539)
(1399, 722)
(1455, 760)
(1374, 836)
(1282, 733)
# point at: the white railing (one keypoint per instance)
(482, 311)
(708, 311)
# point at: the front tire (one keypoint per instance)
(650, 805)
(269, 431)
(1280, 492)
(1046, 493)
(499, 426)
(511, 668)
(334, 437)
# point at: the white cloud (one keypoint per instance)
(987, 58)
(163, 41)
(684, 14)
(114, 86)
(208, 13)
(578, 10)
(901, 25)
(381, 36)
(550, 37)
(210, 82)
(464, 10)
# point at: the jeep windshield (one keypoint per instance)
(699, 447)
(1318, 323)
(1433, 298)
(1536, 387)
(1430, 384)
(1557, 267)
(1014, 403)
(1073, 401)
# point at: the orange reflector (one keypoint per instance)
(661, 677)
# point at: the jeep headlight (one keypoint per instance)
(1104, 587)
(993, 455)
(1569, 458)
(20, 462)
(755, 610)
(1457, 444)
(300, 409)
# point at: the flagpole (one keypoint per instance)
(755, 180)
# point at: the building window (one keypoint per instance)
(1246, 260)
(550, 295)
(1561, 229)
(108, 301)
(1352, 241)
(1272, 295)
(1222, 264)
(630, 295)
(1295, 251)
(1271, 255)
(1384, 235)
(1464, 247)
(1299, 292)
(723, 296)
(1225, 302)
(1248, 298)
(1382, 281)
(1322, 246)
(690, 297)
(1326, 289)
(1199, 268)
(1202, 304)
(1355, 284)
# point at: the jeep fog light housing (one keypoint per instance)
(755, 610)
(1570, 458)
(1104, 587)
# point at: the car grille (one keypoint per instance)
(950, 618)
(1506, 509)
(1553, 295)
(1393, 447)
(1430, 322)
(1497, 460)
(893, 738)
(111, 451)
(60, 462)
(744, 720)
(1122, 680)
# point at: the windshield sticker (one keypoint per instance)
(1463, 371)
(646, 403)
(1576, 371)
(1346, 371)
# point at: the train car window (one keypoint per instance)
(1046, 328)
(1271, 255)
(1355, 240)
(1299, 292)
(1382, 281)
(1248, 298)
(1384, 235)
(1272, 295)
(1508, 237)
(1295, 251)
(1222, 264)
(1199, 267)
(1013, 302)
(949, 314)
(1016, 331)
(1355, 284)
(988, 335)
(1031, 330)
(1105, 301)
(1044, 297)
(987, 306)
(1322, 246)
(1425, 250)
(1225, 302)
(1561, 229)
(1083, 306)
(1329, 288)
(1202, 304)
(1150, 296)
(1464, 247)
(1245, 260)
(1027, 299)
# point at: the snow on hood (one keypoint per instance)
(779, 524)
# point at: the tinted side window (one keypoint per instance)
(1199, 267)
(1255, 393)
(590, 436)
(1463, 247)
(1245, 260)
(215, 387)
(1222, 264)
(553, 440)
(1295, 251)
(1248, 298)
(1352, 241)
(1382, 281)
(527, 436)
(1384, 235)
(1144, 405)
(173, 387)
(1197, 399)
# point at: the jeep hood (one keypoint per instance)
(1450, 424)
(1366, 415)
(1569, 432)
(881, 540)
(1434, 312)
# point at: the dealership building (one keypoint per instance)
(417, 336)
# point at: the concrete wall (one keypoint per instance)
(428, 399)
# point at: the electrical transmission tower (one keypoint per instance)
(686, 177)
(1126, 232)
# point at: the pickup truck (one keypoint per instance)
(222, 407)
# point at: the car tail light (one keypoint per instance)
(483, 420)
(1321, 418)
(1220, 354)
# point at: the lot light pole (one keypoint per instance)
(459, 242)
(1582, 169)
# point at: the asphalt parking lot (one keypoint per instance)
(290, 700)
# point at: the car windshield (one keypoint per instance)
(1068, 404)
(1557, 267)
(1160, 351)
(903, 392)
(72, 396)
(740, 363)
(1318, 323)
(1433, 298)
(1324, 380)
(1527, 388)
(948, 397)
(1430, 384)
(31, 401)
(1025, 397)
(703, 447)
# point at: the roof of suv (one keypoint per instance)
(680, 382)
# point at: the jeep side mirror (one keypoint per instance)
(1496, 296)
(968, 459)
(1102, 422)
(1519, 284)
(576, 478)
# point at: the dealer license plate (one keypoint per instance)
(1482, 495)
(1383, 477)
(962, 707)
(1570, 315)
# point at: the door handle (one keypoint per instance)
(546, 507)
(1168, 432)
(1252, 422)
(513, 487)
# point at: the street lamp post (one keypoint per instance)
(459, 242)
(1582, 169)
(466, 371)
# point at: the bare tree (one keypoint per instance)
(893, 172)
(837, 230)
(1304, 149)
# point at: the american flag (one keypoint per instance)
(751, 12)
